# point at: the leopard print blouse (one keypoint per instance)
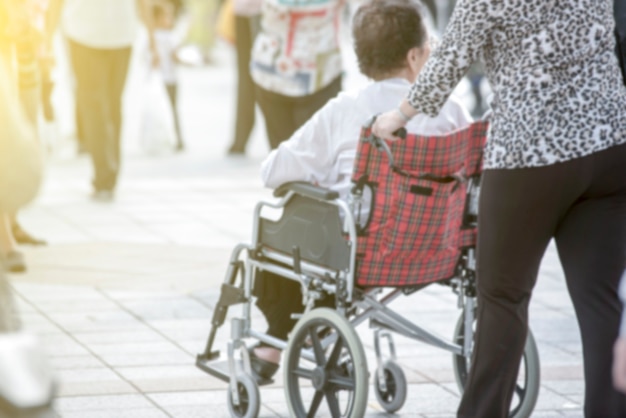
(558, 93)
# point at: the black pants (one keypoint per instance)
(244, 120)
(582, 205)
(278, 298)
(285, 114)
(100, 78)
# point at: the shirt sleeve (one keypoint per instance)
(307, 156)
(465, 36)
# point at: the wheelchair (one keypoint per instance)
(410, 222)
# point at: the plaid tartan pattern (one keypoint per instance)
(415, 236)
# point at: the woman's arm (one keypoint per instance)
(465, 37)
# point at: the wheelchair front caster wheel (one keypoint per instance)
(325, 367)
(393, 396)
(249, 398)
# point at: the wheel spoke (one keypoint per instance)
(300, 372)
(341, 382)
(520, 391)
(334, 355)
(320, 358)
(315, 404)
(333, 403)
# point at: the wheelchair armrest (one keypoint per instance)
(306, 189)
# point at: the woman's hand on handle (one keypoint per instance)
(388, 123)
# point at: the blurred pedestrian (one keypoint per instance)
(25, 48)
(247, 14)
(201, 32)
(555, 167)
(296, 62)
(21, 165)
(101, 34)
(164, 19)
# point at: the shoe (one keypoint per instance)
(13, 262)
(23, 237)
(263, 370)
(103, 196)
(236, 151)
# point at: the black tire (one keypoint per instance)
(393, 398)
(338, 373)
(249, 398)
(527, 387)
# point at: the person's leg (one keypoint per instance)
(519, 211)
(278, 298)
(80, 134)
(9, 321)
(244, 116)
(172, 95)
(591, 240)
(118, 70)
(278, 113)
(91, 85)
(10, 258)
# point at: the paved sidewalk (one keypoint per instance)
(122, 296)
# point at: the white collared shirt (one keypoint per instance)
(323, 150)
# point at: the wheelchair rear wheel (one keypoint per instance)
(326, 375)
(249, 398)
(391, 398)
(527, 386)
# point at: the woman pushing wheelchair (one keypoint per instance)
(392, 45)
(555, 167)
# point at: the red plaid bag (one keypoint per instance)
(414, 233)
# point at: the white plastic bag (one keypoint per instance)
(157, 124)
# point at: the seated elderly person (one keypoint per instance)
(391, 44)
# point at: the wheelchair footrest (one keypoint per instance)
(221, 370)
(217, 369)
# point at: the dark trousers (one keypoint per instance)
(582, 205)
(244, 119)
(100, 78)
(172, 95)
(285, 114)
(278, 298)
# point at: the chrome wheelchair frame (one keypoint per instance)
(343, 374)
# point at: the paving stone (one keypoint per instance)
(167, 309)
(114, 403)
(110, 387)
(146, 348)
(75, 362)
(113, 337)
(107, 413)
(147, 359)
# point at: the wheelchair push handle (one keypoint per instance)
(400, 132)
(381, 144)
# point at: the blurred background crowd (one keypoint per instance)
(68, 61)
